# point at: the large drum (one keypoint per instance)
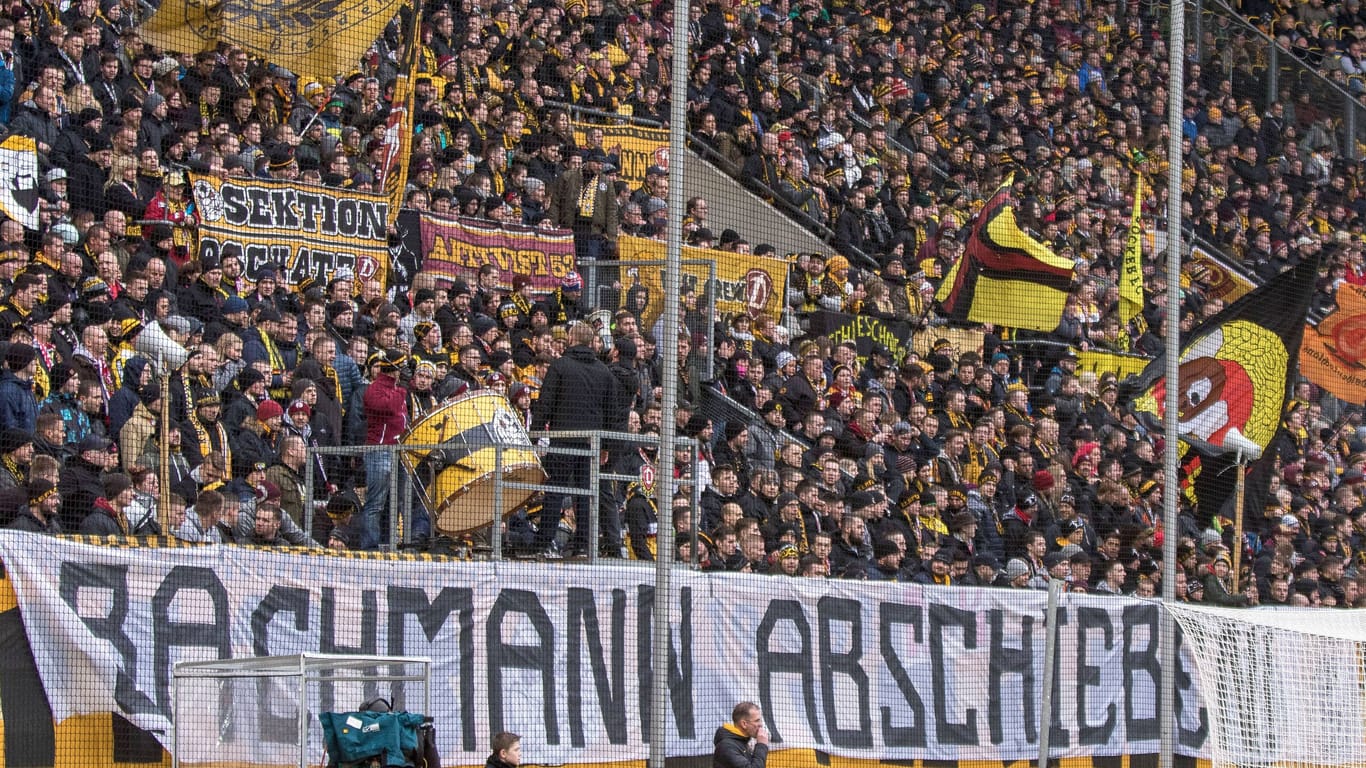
(459, 480)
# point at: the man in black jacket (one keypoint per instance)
(40, 515)
(732, 739)
(579, 393)
(81, 482)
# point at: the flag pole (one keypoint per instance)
(164, 448)
(400, 123)
(1171, 522)
(1241, 480)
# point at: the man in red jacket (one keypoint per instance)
(386, 419)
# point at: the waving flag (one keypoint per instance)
(19, 180)
(320, 37)
(1006, 277)
(392, 175)
(1131, 274)
(1236, 370)
(1334, 351)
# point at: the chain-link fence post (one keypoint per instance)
(310, 456)
(1050, 653)
(393, 494)
(594, 497)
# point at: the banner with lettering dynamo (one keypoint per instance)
(850, 668)
(745, 283)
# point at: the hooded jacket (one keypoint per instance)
(732, 749)
(18, 410)
(125, 401)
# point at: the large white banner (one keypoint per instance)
(561, 654)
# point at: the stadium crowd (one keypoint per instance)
(886, 123)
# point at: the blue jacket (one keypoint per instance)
(75, 422)
(18, 409)
(348, 376)
(6, 93)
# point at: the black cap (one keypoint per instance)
(18, 356)
(14, 438)
(39, 488)
(392, 360)
(93, 443)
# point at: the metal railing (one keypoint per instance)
(1279, 69)
(779, 203)
(399, 504)
(577, 109)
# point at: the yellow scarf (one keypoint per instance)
(206, 446)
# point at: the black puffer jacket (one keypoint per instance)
(733, 750)
(80, 486)
(579, 393)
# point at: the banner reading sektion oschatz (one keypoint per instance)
(867, 670)
(302, 230)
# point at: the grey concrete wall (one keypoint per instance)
(730, 205)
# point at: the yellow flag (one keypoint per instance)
(1131, 274)
(321, 37)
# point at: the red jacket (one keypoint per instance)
(386, 411)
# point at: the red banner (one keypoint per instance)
(459, 247)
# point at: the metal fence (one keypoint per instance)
(611, 294)
(410, 498)
(1235, 49)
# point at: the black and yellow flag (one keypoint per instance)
(392, 175)
(1005, 276)
(318, 37)
(1236, 370)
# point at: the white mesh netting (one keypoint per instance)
(1283, 687)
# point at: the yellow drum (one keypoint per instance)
(460, 479)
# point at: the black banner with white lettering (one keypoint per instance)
(895, 335)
